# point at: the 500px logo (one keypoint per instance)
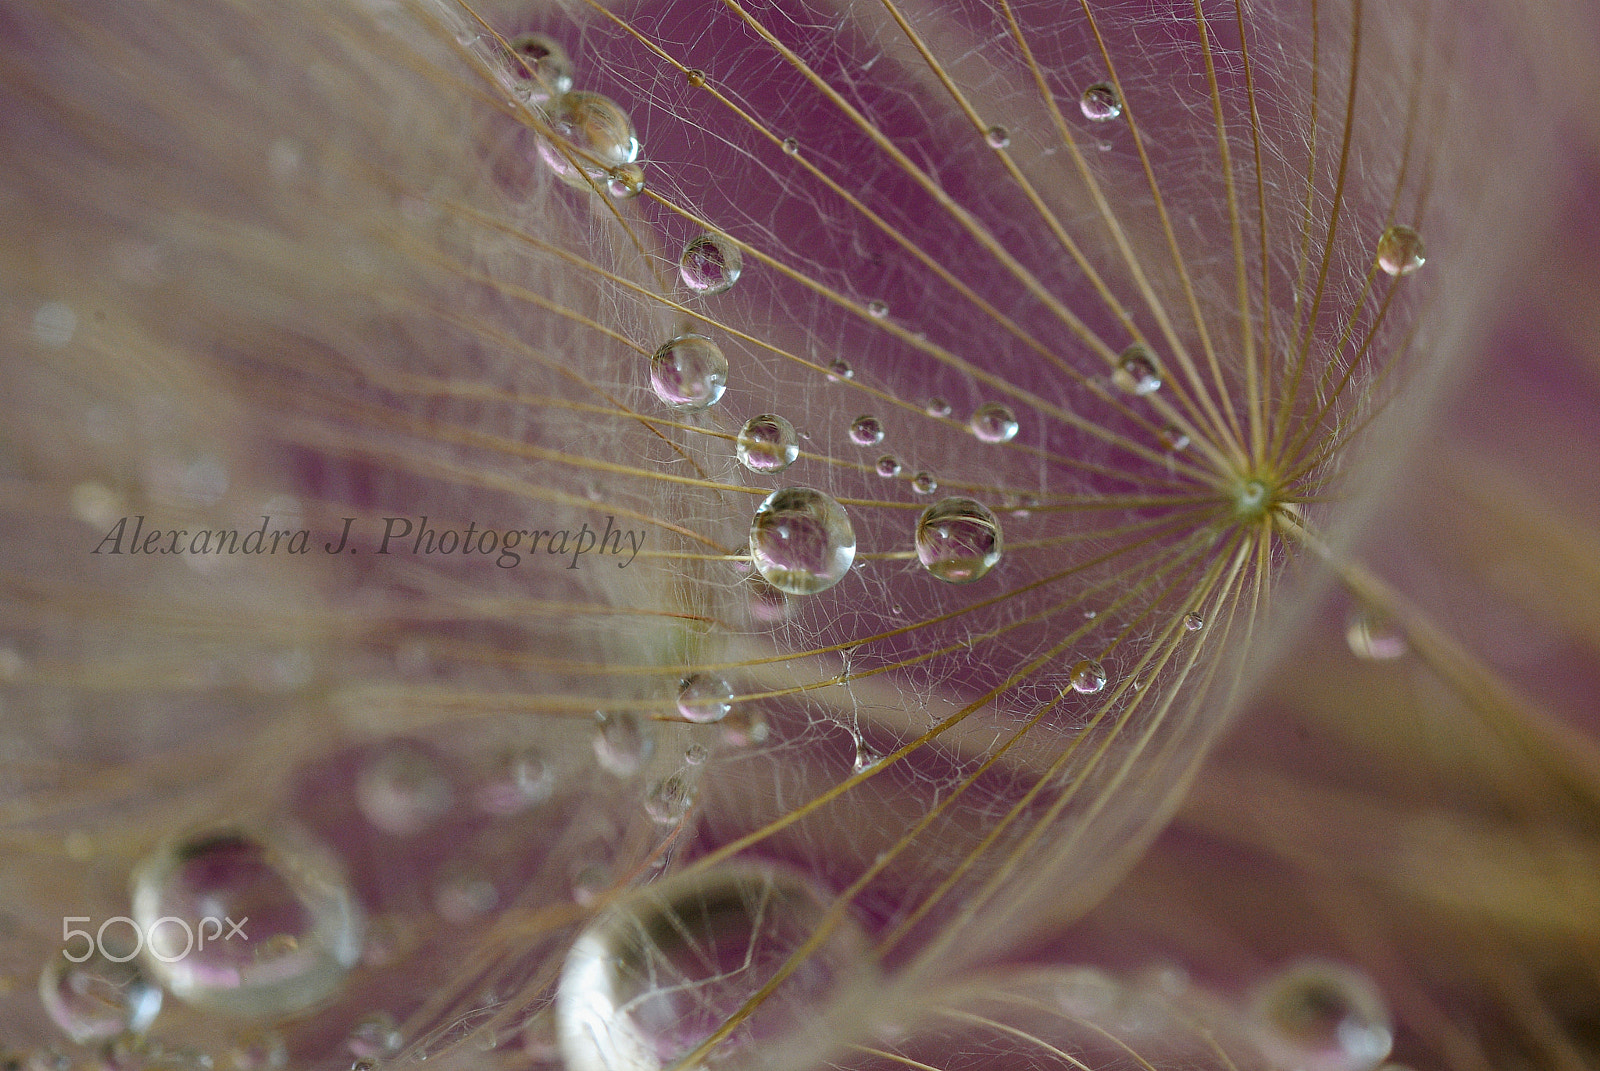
(194, 937)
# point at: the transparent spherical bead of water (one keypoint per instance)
(304, 928)
(1100, 102)
(626, 181)
(1318, 1015)
(1088, 676)
(591, 136)
(704, 698)
(1137, 372)
(993, 422)
(658, 973)
(669, 799)
(767, 444)
(937, 407)
(1193, 622)
(1172, 439)
(539, 68)
(710, 264)
(839, 370)
(878, 310)
(622, 743)
(689, 372)
(924, 483)
(1400, 250)
(888, 466)
(958, 540)
(866, 430)
(997, 136)
(106, 995)
(801, 541)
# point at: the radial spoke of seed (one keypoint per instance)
(1023, 1035)
(1258, 367)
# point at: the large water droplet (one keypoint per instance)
(1100, 102)
(106, 995)
(657, 974)
(767, 444)
(1321, 1016)
(1137, 371)
(958, 540)
(801, 541)
(303, 931)
(540, 68)
(993, 423)
(704, 697)
(710, 264)
(401, 789)
(1088, 676)
(595, 132)
(1400, 250)
(689, 372)
(866, 430)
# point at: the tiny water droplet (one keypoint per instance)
(375, 1035)
(669, 799)
(997, 136)
(923, 483)
(689, 372)
(696, 754)
(791, 146)
(539, 67)
(710, 264)
(595, 132)
(958, 540)
(993, 422)
(1100, 102)
(626, 181)
(1172, 439)
(1400, 250)
(100, 998)
(877, 309)
(888, 466)
(1137, 371)
(802, 541)
(704, 697)
(937, 407)
(839, 370)
(1088, 676)
(1321, 1016)
(695, 77)
(767, 444)
(866, 430)
(1193, 622)
(1374, 638)
(622, 743)
(865, 759)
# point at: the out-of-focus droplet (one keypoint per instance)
(888, 466)
(993, 423)
(710, 264)
(463, 893)
(765, 603)
(1172, 439)
(523, 779)
(958, 540)
(1318, 1015)
(626, 181)
(839, 370)
(1374, 638)
(767, 444)
(937, 407)
(924, 483)
(866, 430)
(105, 996)
(539, 67)
(877, 309)
(1400, 250)
(401, 788)
(1088, 676)
(1137, 371)
(689, 372)
(622, 743)
(696, 754)
(669, 799)
(997, 136)
(594, 132)
(375, 1035)
(665, 967)
(1100, 102)
(299, 926)
(704, 697)
(259, 1050)
(802, 541)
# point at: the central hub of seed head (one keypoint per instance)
(1252, 498)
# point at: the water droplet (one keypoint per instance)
(669, 799)
(622, 744)
(1088, 676)
(839, 370)
(689, 372)
(937, 407)
(866, 758)
(997, 136)
(259, 1050)
(695, 77)
(923, 483)
(1400, 250)
(696, 754)
(540, 68)
(100, 998)
(993, 423)
(1321, 1016)
(866, 430)
(401, 789)
(1374, 638)
(888, 466)
(1193, 622)
(523, 779)
(1137, 371)
(54, 324)
(625, 181)
(801, 541)
(365, 1063)
(660, 971)
(791, 146)
(877, 309)
(375, 1035)
(710, 264)
(595, 132)
(1172, 439)
(704, 697)
(1100, 102)
(958, 540)
(302, 935)
(463, 894)
(767, 444)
